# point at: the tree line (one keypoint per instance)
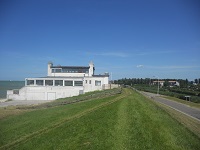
(149, 81)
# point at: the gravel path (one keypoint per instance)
(22, 102)
(190, 111)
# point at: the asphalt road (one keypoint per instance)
(190, 111)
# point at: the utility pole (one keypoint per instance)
(158, 84)
(158, 87)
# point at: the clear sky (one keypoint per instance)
(130, 38)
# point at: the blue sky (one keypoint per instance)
(130, 38)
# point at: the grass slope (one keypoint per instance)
(125, 121)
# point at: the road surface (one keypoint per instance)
(190, 111)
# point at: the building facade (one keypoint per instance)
(61, 82)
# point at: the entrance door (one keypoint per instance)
(80, 91)
(51, 96)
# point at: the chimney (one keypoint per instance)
(50, 64)
(91, 69)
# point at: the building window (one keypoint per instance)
(58, 82)
(39, 82)
(56, 70)
(90, 82)
(69, 83)
(70, 70)
(78, 83)
(85, 81)
(15, 91)
(65, 70)
(30, 82)
(49, 82)
(97, 83)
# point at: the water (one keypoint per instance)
(9, 85)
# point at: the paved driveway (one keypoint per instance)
(190, 111)
(25, 102)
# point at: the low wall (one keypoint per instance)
(110, 86)
(43, 93)
(52, 92)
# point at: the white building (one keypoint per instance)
(61, 81)
(171, 83)
(174, 83)
(161, 83)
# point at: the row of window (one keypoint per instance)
(86, 82)
(97, 83)
(56, 82)
(60, 82)
(59, 70)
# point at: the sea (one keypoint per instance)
(9, 85)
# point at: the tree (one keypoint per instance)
(186, 82)
(197, 81)
(166, 83)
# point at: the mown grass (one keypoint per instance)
(13, 127)
(15, 110)
(189, 122)
(125, 121)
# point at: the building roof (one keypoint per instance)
(105, 75)
(159, 81)
(56, 77)
(71, 67)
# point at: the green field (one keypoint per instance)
(122, 121)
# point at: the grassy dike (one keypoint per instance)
(124, 121)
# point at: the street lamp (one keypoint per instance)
(158, 84)
(150, 82)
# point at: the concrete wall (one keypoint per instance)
(44, 93)
(91, 86)
(110, 86)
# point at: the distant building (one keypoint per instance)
(171, 83)
(60, 82)
(161, 83)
